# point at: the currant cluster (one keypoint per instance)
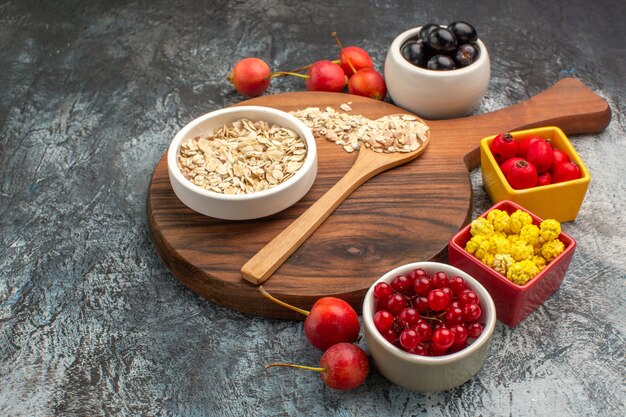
(427, 315)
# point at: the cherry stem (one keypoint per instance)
(281, 73)
(282, 303)
(336, 61)
(334, 35)
(290, 365)
(430, 318)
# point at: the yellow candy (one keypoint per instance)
(518, 220)
(530, 234)
(481, 226)
(552, 249)
(502, 263)
(521, 250)
(500, 220)
(550, 230)
(522, 272)
(499, 244)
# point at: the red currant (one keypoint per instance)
(420, 350)
(448, 292)
(457, 284)
(409, 317)
(396, 303)
(383, 320)
(402, 284)
(438, 300)
(417, 273)
(442, 338)
(382, 291)
(474, 330)
(421, 305)
(454, 315)
(423, 330)
(391, 336)
(437, 350)
(439, 280)
(421, 286)
(460, 334)
(409, 339)
(471, 312)
(468, 297)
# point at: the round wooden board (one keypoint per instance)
(403, 215)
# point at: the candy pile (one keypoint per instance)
(513, 245)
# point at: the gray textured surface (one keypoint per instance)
(91, 321)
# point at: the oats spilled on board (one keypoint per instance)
(242, 157)
(392, 133)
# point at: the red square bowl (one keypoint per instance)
(513, 302)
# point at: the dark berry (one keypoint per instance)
(463, 31)
(426, 30)
(415, 52)
(440, 62)
(465, 55)
(441, 40)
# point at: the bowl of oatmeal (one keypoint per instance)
(242, 163)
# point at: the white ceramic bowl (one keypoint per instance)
(435, 94)
(429, 373)
(242, 206)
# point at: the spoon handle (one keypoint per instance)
(266, 261)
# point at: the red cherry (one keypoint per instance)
(506, 166)
(522, 175)
(330, 321)
(421, 305)
(368, 82)
(343, 366)
(420, 350)
(503, 147)
(544, 179)
(566, 171)
(250, 76)
(326, 76)
(541, 155)
(358, 57)
(454, 315)
(522, 146)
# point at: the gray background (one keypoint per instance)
(92, 322)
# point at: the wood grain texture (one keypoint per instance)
(406, 214)
(367, 165)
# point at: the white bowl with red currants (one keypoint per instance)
(428, 325)
(438, 72)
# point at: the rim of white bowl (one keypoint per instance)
(485, 298)
(396, 47)
(303, 130)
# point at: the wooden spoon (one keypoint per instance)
(367, 165)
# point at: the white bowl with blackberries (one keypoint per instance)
(438, 71)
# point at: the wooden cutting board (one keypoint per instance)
(403, 215)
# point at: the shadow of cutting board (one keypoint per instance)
(403, 215)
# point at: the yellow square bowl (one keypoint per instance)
(559, 201)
